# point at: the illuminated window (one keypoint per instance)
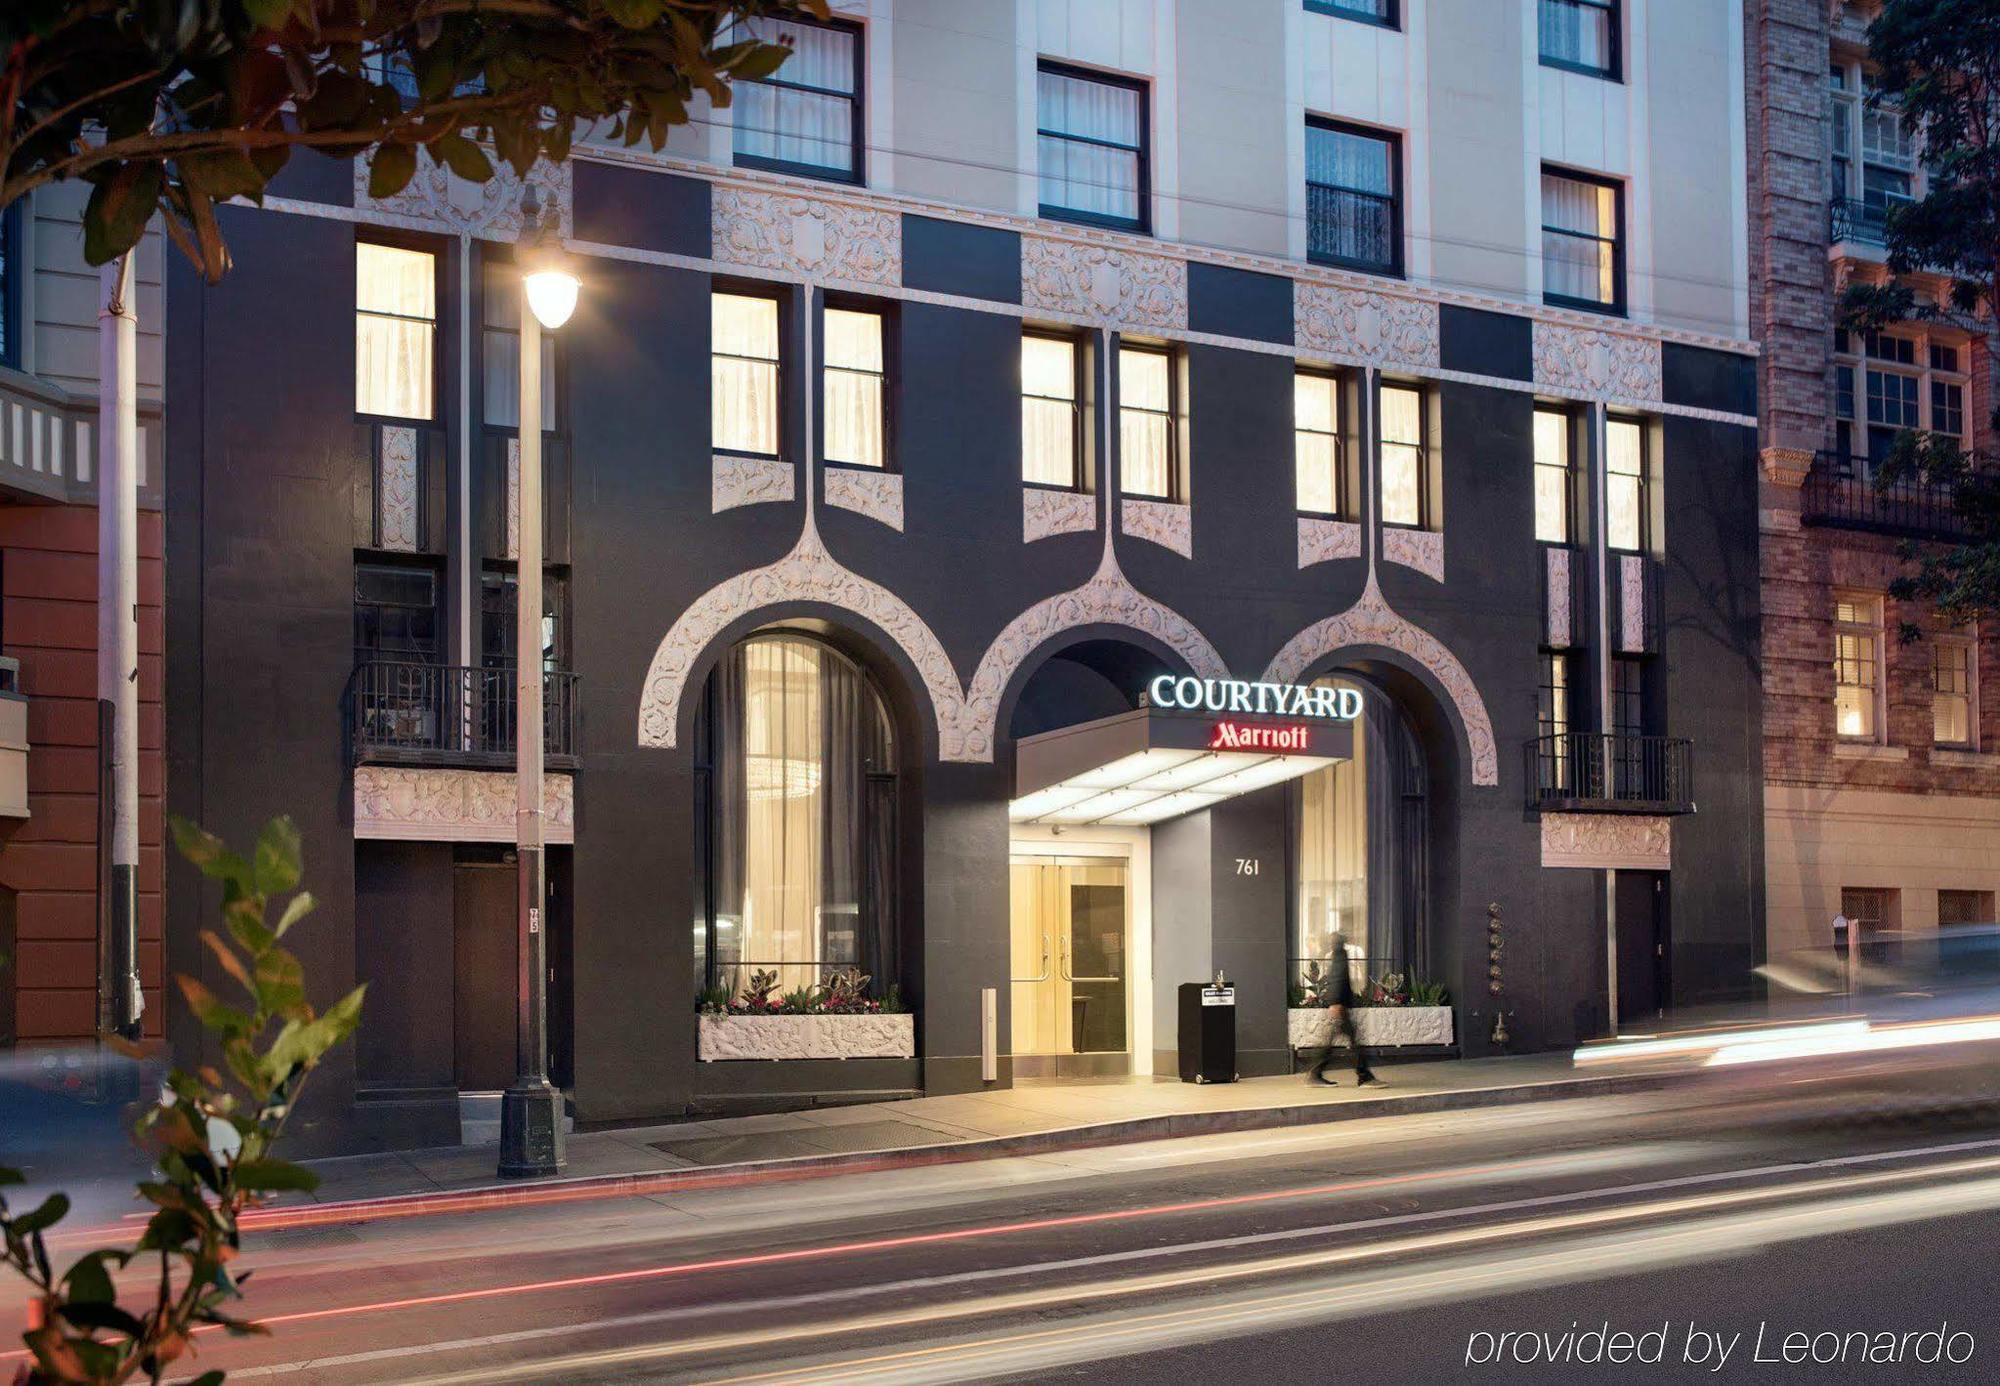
(1553, 479)
(1625, 501)
(1405, 488)
(855, 399)
(395, 330)
(1316, 442)
(1857, 666)
(1051, 423)
(1954, 684)
(1146, 422)
(743, 374)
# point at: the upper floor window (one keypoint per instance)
(500, 351)
(856, 400)
(1091, 147)
(1580, 36)
(1625, 499)
(1316, 443)
(1553, 718)
(1146, 431)
(1583, 241)
(1405, 466)
(1051, 420)
(1873, 155)
(1954, 689)
(1382, 12)
(805, 117)
(1857, 666)
(1894, 382)
(1554, 482)
(743, 373)
(395, 330)
(396, 614)
(1353, 197)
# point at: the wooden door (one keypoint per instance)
(486, 960)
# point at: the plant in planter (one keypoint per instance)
(1390, 989)
(756, 998)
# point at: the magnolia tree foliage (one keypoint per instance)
(1938, 62)
(210, 1136)
(174, 106)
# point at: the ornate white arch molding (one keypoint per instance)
(1108, 599)
(1371, 621)
(807, 574)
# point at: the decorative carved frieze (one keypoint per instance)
(1607, 841)
(1158, 522)
(1596, 364)
(1044, 513)
(749, 481)
(878, 495)
(805, 236)
(490, 210)
(1632, 603)
(397, 488)
(1422, 549)
(1371, 621)
(1097, 283)
(1561, 591)
(413, 804)
(1787, 466)
(1323, 541)
(1360, 325)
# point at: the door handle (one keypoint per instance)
(1046, 973)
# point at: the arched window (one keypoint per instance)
(795, 818)
(1360, 848)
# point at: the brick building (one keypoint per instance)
(49, 866)
(1882, 754)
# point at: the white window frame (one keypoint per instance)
(1849, 113)
(1966, 641)
(1851, 356)
(1868, 627)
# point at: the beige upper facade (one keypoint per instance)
(949, 111)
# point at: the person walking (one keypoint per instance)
(1340, 1010)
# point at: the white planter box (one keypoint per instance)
(808, 1037)
(1379, 1027)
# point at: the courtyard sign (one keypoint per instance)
(1188, 694)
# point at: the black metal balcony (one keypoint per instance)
(1841, 493)
(1860, 223)
(406, 712)
(1610, 772)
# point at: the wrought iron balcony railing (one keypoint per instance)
(1858, 222)
(1841, 492)
(412, 713)
(1611, 772)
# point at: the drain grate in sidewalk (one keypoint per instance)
(845, 1138)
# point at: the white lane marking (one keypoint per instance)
(921, 1283)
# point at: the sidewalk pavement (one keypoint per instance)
(1033, 1118)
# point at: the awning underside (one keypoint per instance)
(1156, 784)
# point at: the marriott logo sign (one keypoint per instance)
(1236, 736)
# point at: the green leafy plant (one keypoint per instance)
(1429, 994)
(799, 1001)
(1315, 988)
(892, 1000)
(211, 1135)
(714, 1000)
(757, 994)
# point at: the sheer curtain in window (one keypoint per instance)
(500, 353)
(854, 388)
(1332, 889)
(1575, 32)
(781, 122)
(1350, 190)
(1625, 484)
(743, 385)
(1048, 411)
(395, 328)
(1580, 222)
(1098, 171)
(1316, 454)
(1145, 423)
(1402, 456)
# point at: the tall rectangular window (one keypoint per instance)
(396, 613)
(1316, 443)
(1051, 421)
(1405, 499)
(1580, 36)
(501, 307)
(1554, 481)
(1379, 12)
(1954, 695)
(1625, 500)
(1583, 241)
(1146, 422)
(805, 117)
(395, 331)
(855, 394)
(1353, 197)
(743, 374)
(1857, 666)
(1091, 147)
(1886, 384)
(1553, 721)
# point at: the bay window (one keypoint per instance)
(744, 373)
(395, 331)
(1091, 147)
(807, 116)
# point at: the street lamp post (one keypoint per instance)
(531, 1135)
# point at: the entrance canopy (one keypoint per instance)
(1153, 764)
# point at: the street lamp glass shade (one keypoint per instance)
(552, 296)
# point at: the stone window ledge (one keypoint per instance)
(1869, 750)
(1965, 760)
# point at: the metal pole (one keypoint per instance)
(118, 625)
(531, 1138)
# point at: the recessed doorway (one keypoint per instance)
(1071, 967)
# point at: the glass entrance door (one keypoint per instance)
(1069, 966)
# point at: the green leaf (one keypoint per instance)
(48, 1214)
(633, 14)
(226, 956)
(297, 908)
(88, 1282)
(277, 864)
(267, 14)
(461, 156)
(10, 1175)
(209, 853)
(281, 983)
(120, 206)
(390, 171)
(272, 1176)
(102, 1314)
(213, 1013)
(222, 174)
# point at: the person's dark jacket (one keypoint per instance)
(1339, 989)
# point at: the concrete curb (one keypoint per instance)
(1119, 1132)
